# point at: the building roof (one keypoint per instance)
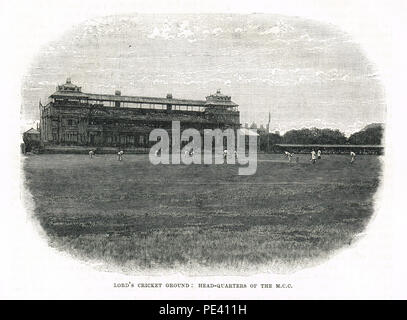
(32, 131)
(69, 90)
(248, 132)
(221, 103)
(138, 99)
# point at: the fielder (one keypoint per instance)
(313, 156)
(352, 157)
(120, 155)
(289, 155)
(225, 155)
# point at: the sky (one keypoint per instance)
(303, 72)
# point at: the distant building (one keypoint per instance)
(72, 117)
(247, 133)
(262, 129)
(32, 135)
(31, 140)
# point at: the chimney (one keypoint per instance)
(169, 95)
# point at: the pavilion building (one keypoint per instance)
(75, 118)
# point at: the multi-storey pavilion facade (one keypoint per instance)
(73, 117)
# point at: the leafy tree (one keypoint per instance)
(372, 134)
(314, 136)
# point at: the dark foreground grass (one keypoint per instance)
(136, 215)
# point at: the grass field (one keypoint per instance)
(134, 215)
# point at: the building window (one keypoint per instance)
(70, 122)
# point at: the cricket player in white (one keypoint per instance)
(313, 156)
(91, 153)
(353, 156)
(289, 155)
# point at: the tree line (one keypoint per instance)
(370, 135)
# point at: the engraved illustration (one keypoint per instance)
(202, 142)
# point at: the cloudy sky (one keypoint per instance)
(306, 74)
